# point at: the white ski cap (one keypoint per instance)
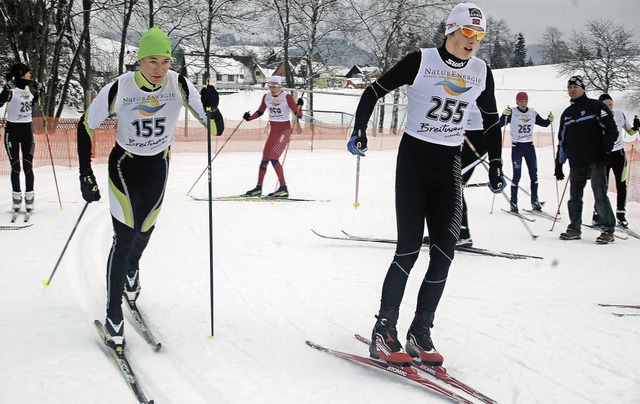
(465, 14)
(275, 81)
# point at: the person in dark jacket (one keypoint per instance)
(586, 135)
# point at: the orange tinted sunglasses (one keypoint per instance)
(470, 32)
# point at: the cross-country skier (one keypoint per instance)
(280, 105)
(442, 84)
(147, 104)
(618, 161)
(20, 93)
(522, 120)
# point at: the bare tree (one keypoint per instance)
(605, 54)
(386, 28)
(497, 47)
(318, 19)
(555, 47)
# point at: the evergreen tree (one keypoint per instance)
(520, 52)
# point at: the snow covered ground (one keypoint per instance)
(520, 331)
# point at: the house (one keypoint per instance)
(361, 76)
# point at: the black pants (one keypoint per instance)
(618, 163)
(578, 177)
(136, 190)
(18, 138)
(428, 186)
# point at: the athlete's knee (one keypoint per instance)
(406, 260)
(263, 165)
(274, 162)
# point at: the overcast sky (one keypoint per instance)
(531, 17)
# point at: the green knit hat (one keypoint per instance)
(154, 43)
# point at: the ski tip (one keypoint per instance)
(157, 347)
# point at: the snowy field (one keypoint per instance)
(520, 331)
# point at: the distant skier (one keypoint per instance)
(280, 106)
(442, 84)
(20, 93)
(522, 120)
(148, 104)
(617, 160)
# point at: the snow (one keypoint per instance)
(520, 331)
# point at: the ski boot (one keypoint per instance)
(419, 343)
(536, 205)
(282, 192)
(464, 239)
(257, 191)
(132, 287)
(29, 199)
(114, 334)
(384, 339)
(622, 220)
(16, 201)
(514, 207)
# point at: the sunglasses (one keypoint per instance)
(469, 33)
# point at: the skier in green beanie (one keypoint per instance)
(147, 104)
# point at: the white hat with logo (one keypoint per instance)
(275, 81)
(465, 14)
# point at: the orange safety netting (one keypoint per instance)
(59, 136)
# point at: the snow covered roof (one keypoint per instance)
(106, 51)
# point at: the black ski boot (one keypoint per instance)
(114, 332)
(419, 343)
(257, 191)
(132, 287)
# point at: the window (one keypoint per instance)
(231, 78)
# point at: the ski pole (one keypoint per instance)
(485, 165)
(53, 167)
(47, 282)
(210, 189)
(214, 157)
(356, 204)
(504, 131)
(553, 150)
(555, 219)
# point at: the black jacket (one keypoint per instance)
(587, 132)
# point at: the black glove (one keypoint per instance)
(246, 116)
(300, 102)
(217, 126)
(209, 97)
(558, 172)
(636, 123)
(357, 145)
(89, 187)
(497, 182)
